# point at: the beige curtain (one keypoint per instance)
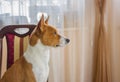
(101, 50)
(93, 53)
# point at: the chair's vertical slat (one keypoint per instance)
(25, 42)
(0, 55)
(10, 47)
(4, 56)
(21, 46)
(16, 48)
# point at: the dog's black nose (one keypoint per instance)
(67, 40)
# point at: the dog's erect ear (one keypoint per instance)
(46, 21)
(40, 26)
(41, 23)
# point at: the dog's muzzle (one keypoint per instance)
(63, 42)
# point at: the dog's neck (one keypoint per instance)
(37, 52)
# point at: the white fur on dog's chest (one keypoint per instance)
(38, 56)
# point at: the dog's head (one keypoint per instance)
(47, 34)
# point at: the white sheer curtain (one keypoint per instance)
(76, 20)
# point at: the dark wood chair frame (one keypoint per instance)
(10, 29)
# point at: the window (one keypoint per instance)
(27, 11)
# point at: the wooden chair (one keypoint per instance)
(12, 44)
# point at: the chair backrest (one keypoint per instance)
(12, 38)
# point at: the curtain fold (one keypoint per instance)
(103, 65)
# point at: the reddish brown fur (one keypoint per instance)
(21, 71)
(50, 36)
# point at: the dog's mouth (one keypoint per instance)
(57, 45)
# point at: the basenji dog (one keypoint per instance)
(33, 66)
